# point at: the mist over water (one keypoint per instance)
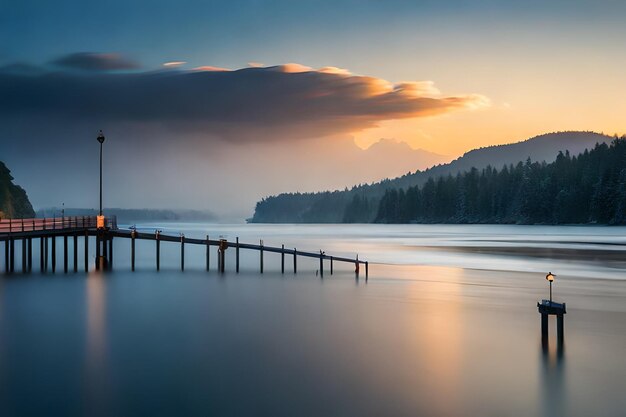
(446, 325)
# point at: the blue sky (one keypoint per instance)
(444, 76)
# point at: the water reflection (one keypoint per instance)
(96, 345)
(552, 374)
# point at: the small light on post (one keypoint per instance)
(550, 278)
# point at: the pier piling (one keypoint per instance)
(208, 253)
(24, 256)
(45, 258)
(547, 308)
(65, 254)
(12, 255)
(133, 235)
(6, 256)
(321, 264)
(282, 259)
(237, 254)
(158, 251)
(182, 252)
(295, 261)
(98, 252)
(86, 247)
(261, 255)
(30, 254)
(75, 251)
(110, 259)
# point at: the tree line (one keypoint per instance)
(588, 188)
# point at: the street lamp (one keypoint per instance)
(101, 140)
(550, 278)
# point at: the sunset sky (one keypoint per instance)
(270, 79)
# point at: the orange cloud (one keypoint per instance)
(289, 100)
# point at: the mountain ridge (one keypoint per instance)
(330, 206)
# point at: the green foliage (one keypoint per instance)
(14, 202)
(589, 188)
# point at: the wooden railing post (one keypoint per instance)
(133, 234)
(261, 255)
(282, 259)
(295, 261)
(208, 253)
(158, 251)
(237, 254)
(321, 264)
(182, 252)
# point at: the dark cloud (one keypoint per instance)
(313, 102)
(90, 61)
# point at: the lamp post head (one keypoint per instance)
(550, 276)
(101, 137)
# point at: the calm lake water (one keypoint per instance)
(446, 325)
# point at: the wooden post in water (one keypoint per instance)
(321, 264)
(295, 262)
(86, 246)
(237, 254)
(30, 253)
(158, 251)
(75, 249)
(366, 270)
(222, 255)
(105, 252)
(282, 259)
(45, 258)
(356, 266)
(53, 253)
(182, 252)
(12, 255)
(547, 308)
(65, 254)
(261, 254)
(208, 252)
(41, 256)
(98, 247)
(6, 256)
(133, 234)
(110, 262)
(23, 253)
(331, 265)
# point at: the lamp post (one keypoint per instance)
(101, 140)
(550, 278)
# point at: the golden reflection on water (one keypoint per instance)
(439, 333)
(96, 317)
(95, 367)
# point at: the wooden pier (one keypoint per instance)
(47, 230)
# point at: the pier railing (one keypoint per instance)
(8, 226)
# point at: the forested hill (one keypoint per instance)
(360, 204)
(588, 188)
(14, 202)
